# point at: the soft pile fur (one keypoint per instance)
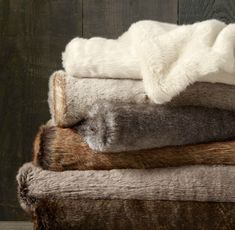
(83, 214)
(70, 98)
(188, 183)
(116, 127)
(168, 57)
(60, 149)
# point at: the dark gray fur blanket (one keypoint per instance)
(116, 127)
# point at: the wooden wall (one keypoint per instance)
(33, 33)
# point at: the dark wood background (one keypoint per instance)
(33, 33)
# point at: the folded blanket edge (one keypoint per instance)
(57, 97)
(24, 175)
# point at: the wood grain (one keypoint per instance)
(110, 18)
(197, 10)
(32, 36)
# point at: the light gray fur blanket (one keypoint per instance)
(188, 183)
(167, 57)
(116, 127)
(70, 98)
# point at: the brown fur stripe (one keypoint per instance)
(60, 149)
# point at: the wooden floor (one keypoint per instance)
(15, 225)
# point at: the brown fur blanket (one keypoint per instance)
(60, 149)
(85, 214)
(116, 127)
(70, 98)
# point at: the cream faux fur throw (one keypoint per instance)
(167, 57)
(70, 98)
(116, 127)
(188, 183)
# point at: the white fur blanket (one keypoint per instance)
(168, 57)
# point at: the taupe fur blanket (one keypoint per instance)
(116, 127)
(70, 98)
(188, 183)
(84, 214)
(60, 149)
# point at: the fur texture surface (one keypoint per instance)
(187, 183)
(167, 57)
(84, 214)
(70, 98)
(60, 149)
(116, 127)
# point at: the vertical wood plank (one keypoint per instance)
(197, 10)
(33, 33)
(110, 18)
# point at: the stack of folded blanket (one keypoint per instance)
(142, 133)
